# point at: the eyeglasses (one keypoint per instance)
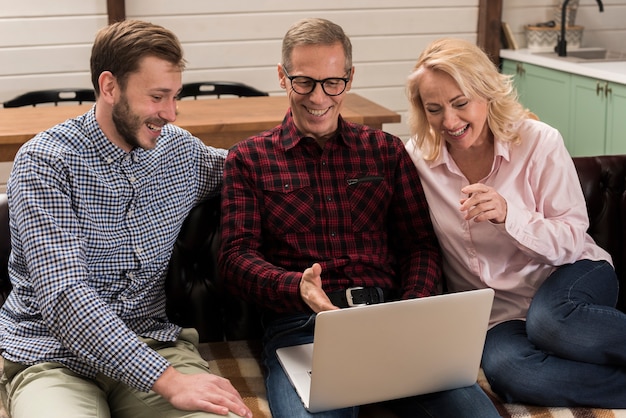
(332, 86)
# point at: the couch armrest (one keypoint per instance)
(603, 180)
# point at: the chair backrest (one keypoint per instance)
(219, 88)
(55, 96)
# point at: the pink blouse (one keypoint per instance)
(545, 226)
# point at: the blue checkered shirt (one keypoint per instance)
(92, 230)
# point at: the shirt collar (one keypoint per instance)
(500, 149)
(291, 137)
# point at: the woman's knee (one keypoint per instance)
(570, 289)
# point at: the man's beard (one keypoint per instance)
(126, 123)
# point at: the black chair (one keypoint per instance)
(219, 88)
(55, 96)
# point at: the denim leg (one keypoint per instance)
(573, 315)
(520, 372)
(467, 402)
(283, 399)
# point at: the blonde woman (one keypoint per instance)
(509, 212)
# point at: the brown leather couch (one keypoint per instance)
(196, 296)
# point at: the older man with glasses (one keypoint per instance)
(320, 214)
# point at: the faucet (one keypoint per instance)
(561, 46)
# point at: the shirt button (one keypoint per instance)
(132, 179)
(329, 198)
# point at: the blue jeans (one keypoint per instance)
(284, 402)
(571, 351)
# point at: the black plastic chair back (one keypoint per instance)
(219, 88)
(55, 96)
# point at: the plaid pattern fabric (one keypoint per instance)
(356, 207)
(239, 361)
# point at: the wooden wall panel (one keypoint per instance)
(53, 31)
(33, 8)
(237, 40)
(168, 7)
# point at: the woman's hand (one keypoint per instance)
(483, 204)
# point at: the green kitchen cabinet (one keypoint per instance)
(597, 117)
(616, 119)
(590, 113)
(544, 91)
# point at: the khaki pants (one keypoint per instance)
(51, 390)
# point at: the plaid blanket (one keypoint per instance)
(239, 362)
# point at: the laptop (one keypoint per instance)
(392, 350)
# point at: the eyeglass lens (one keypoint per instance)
(305, 85)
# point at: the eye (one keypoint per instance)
(433, 110)
(461, 104)
(302, 81)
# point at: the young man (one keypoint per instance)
(96, 204)
(318, 206)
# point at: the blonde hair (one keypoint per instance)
(477, 77)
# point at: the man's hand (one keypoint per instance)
(200, 392)
(311, 290)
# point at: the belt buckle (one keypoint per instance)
(349, 297)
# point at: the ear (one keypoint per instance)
(282, 80)
(349, 86)
(108, 86)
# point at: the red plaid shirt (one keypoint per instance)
(356, 207)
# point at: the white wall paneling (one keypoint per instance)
(46, 44)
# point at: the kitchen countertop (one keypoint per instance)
(614, 71)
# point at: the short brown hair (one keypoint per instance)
(120, 47)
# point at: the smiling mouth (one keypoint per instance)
(318, 112)
(458, 132)
(154, 128)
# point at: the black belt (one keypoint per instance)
(358, 296)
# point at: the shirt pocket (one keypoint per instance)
(369, 195)
(288, 204)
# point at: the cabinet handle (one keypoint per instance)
(607, 90)
(599, 88)
(520, 69)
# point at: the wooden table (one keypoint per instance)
(218, 122)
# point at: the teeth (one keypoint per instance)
(316, 112)
(458, 132)
(153, 127)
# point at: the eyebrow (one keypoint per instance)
(460, 96)
(163, 90)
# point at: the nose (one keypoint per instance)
(169, 110)
(449, 119)
(318, 92)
